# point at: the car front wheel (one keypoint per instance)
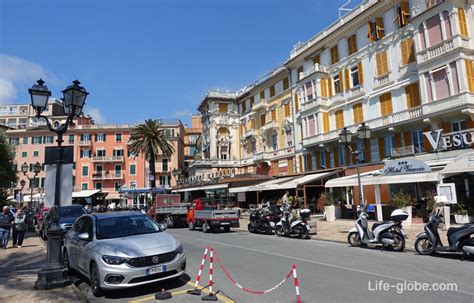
(95, 281)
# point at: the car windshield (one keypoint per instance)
(117, 227)
(71, 211)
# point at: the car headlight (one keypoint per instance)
(179, 250)
(114, 260)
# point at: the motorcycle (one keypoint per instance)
(460, 239)
(388, 233)
(262, 221)
(298, 227)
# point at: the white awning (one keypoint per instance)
(306, 179)
(462, 164)
(375, 177)
(273, 184)
(113, 196)
(85, 193)
(204, 187)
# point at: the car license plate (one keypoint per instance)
(225, 223)
(155, 270)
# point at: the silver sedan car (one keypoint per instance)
(122, 249)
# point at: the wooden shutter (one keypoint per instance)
(370, 31)
(286, 84)
(462, 22)
(347, 80)
(382, 63)
(334, 54)
(358, 113)
(301, 163)
(252, 101)
(470, 75)
(404, 13)
(407, 50)
(309, 161)
(386, 104)
(252, 123)
(317, 59)
(297, 105)
(274, 115)
(336, 156)
(352, 44)
(412, 94)
(324, 87)
(272, 91)
(329, 82)
(361, 73)
(223, 107)
(469, 123)
(243, 107)
(326, 122)
(318, 160)
(341, 81)
(339, 119)
(398, 140)
(287, 109)
(262, 95)
(301, 132)
(407, 138)
(446, 127)
(291, 169)
(381, 148)
(380, 31)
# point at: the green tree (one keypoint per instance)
(7, 171)
(150, 140)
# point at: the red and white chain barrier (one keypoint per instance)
(257, 292)
(211, 260)
(198, 277)
(297, 286)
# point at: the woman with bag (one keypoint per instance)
(19, 228)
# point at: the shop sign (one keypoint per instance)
(406, 166)
(457, 140)
(240, 197)
(467, 157)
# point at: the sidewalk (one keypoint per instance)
(18, 272)
(337, 231)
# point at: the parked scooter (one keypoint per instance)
(298, 227)
(388, 233)
(262, 221)
(460, 239)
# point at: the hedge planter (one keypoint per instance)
(330, 212)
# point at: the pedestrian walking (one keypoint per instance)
(6, 219)
(19, 228)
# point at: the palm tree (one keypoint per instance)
(150, 140)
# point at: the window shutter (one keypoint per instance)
(462, 22)
(324, 87)
(404, 52)
(370, 34)
(297, 106)
(361, 73)
(379, 27)
(252, 101)
(347, 81)
(318, 160)
(339, 119)
(317, 59)
(470, 75)
(329, 82)
(336, 156)
(398, 140)
(407, 138)
(352, 44)
(286, 84)
(358, 113)
(405, 13)
(301, 163)
(446, 127)
(381, 148)
(341, 81)
(386, 104)
(326, 122)
(334, 54)
(309, 161)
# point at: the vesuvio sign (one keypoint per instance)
(457, 140)
(406, 166)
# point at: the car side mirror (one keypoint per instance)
(84, 236)
(163, 226)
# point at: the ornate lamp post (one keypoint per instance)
(36, 170)
(74, 97)
(363, 134)
(22, 185)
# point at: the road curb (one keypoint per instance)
(344, 242)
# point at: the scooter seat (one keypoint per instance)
(452, 230)
(375, 225)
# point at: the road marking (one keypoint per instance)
(221, 298)
(314, 262)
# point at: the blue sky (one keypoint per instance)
(149, 58)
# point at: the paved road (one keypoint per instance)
(327, 271)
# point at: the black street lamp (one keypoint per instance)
(363, 134)
(74, 96)
(22, 185)
(36, 170)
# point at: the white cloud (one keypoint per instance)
(182, 114)
(95, 113)
(17, 72)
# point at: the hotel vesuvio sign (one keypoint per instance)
(461, 139)
(405, 166)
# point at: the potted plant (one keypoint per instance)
(430, 204)
(461, 213)
(326, 200)
(403, 200)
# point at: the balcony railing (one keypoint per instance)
(107, 176)
(314, 102)
(420, 6)
(403, 151)
(435, 50)
(108, 159)
(382, 80)
(260, 106)
(316, 68)
(84, 143)
(271, 125)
